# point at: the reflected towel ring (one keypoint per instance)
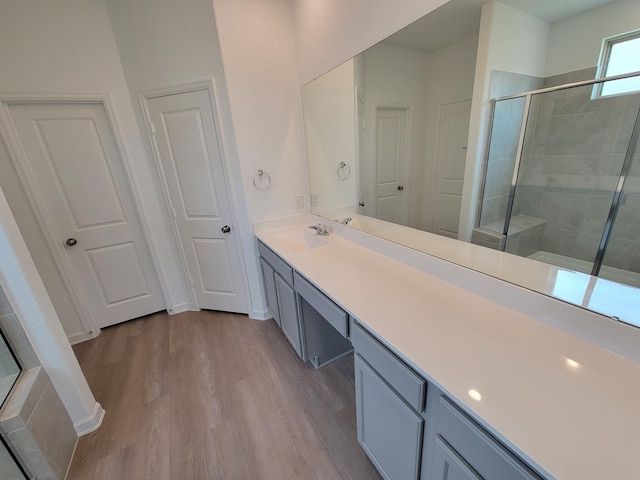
(262, 180)
(344, 171)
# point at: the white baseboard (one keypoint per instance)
(82, 337)
(91, 423)
(181, 307)
(260, 315)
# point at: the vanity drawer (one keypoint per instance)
(399, 376)
(479, 449)
(331, 312)
(279, 265)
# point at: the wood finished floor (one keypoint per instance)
(209, 395)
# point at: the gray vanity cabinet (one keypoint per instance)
(457, 447)
(389, 397)
(281, 296)
(268, 275)
(448, 465)
(288, 308)
(409, 429)
(388, 429)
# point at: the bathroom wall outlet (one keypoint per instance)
(314, 200)
(299, 202)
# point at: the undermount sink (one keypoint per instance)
(298, 239)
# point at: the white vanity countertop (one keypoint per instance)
(569, 408)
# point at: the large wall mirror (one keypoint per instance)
(482, 122)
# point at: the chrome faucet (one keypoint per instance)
(346, 221)
(320, 229)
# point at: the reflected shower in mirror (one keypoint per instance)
(413, 118)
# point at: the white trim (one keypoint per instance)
(182, 307)
(92, 422)
(81, 337)
(260, 315)
(243, 233)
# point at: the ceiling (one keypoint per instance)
(458, 19)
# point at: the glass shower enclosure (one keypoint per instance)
(562, 179)
(9, 373)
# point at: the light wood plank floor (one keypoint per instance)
(210, 395)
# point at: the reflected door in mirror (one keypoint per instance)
(453, 130)
(392, 163)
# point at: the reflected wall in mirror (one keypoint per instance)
(411, 119)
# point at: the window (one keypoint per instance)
(620, 55)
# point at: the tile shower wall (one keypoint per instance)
(574, 151)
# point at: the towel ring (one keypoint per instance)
(262, 180)
(344, 171)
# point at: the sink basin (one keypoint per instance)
(298, 239)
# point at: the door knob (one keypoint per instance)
(71, 242)
(400, 187)
(226, 229)
(361, 204)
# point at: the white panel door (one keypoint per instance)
(453, 130)
(360, 148)
(184, 129)
(77, 167)
(391, 164)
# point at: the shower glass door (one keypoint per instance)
(621, 260)
(572, 157)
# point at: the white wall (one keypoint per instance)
(257, 46)
(329, 32)
(517, 41)
(575, 43)
(67, 46)
(512, 41)
(329, 123)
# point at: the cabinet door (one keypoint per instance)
(268, 275)
(388, 429)
(288, 309)
(447, 464)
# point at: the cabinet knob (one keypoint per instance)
(226, 229)
(400, 187)
(71, 242)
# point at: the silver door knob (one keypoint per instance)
(71, 242)
(400, 187)
(226, 229)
